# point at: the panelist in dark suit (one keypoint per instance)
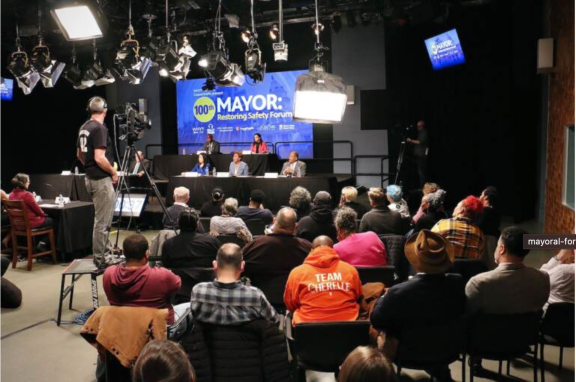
(202, 167)
(294, 167)
(139, 164)
(211, 146)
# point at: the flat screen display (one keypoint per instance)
(235, 114)
(132, 206)
(6, 89)
(445, 50)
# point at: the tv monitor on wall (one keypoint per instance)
(6, 89)
(445, 50)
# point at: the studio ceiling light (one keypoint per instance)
(49, 70)
(274, 31)
(129, 65)
(255, 68)
(280, 48)
(96, 74)
(79, 21)
(20, 67)
(74, 73)
(320, 97)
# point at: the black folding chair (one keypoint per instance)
(557, 330)
(206, 224)
(256, 227)
(468, 268)
(224, 239)
(503, 337)
(383, 274)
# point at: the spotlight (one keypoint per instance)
(182, 67)
(336, 22)
(280, 48)
(224, 72)
(255, 69)
(49, 70)
(274, 31)
(317, 29)
(280, 51)
(80, 21)
(246, 36)
(129, 66)
(25, 75)
(232, 77)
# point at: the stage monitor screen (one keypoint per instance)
(445, 50)
(132, 206)
(6, 89)
(235, 114)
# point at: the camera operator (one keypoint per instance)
(420, 151)
(96, 153)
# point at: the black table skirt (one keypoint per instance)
(166, 166)
(277, 190)
(73, 225)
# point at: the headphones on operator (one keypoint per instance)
(91, 110)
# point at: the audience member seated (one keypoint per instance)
(190, 249)
(238, 167)
(271, 258)
(348, 199)
(255, 209)
(394, 195)
(431, 295)
(226, 300)
(163, 361)
(462, 231)
(213, 207)
(36, 217)
(258, 145)
(380, 219)
(433, 210)
(512, 287)
(11, 297)
(359, 249)
(137, 284)
(489, 218)
(427, 189)
(324, 288)
(294, 167)
(560, 268)
(203, 165)
(227, 224)
(366, 364)
(320, 221)
(300, 201)
(181, 198)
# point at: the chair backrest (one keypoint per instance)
(394, 245)
(431, 343)
(323, 346)
(256, 227)
(190, 277)
(468, 268)
(502, 336)
(18, 214)
(206, 224)
(377, 275)
(230, 239)
(558, 323)
(490, 243)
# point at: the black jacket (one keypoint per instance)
(489, 222)
(174, 213)
(424, 298)
(382, 220)
(190, 250)
(319, 222)
(251, 352)
(210, 209)
(429, 220)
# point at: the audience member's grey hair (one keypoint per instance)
(435, 200)
(286, 219)
(346, 220)
(230, 207)
(181, 194)
(300, 198)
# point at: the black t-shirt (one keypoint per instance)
(93, 135)
(420, 149)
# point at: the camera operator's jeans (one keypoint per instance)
(104, 198)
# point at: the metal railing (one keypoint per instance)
(269, 144)
(384, 176)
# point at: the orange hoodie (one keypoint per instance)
(324, 288)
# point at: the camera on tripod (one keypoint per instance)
(132, 123)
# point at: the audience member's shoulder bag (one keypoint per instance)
(181, 326)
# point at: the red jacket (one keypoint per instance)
(35, 214)
(324, 288)
(263, 148)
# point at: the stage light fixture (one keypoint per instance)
(318, 28)
(19, 66)
(182, 67)
(74, 74)
(274, 30)
(255, 68)
(129, 65)
(246, 35)
(96, 74)
(79, 20)
(48, 69)
(320, 97)
(280, 48)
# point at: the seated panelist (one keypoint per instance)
(238, 167)
(202, 167)
(294, 167)
(259, 146)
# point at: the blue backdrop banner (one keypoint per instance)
(235, 114)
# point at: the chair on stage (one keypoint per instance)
(18, 213)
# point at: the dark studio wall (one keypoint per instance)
(483, 116)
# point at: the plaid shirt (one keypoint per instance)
(230, 304)
(467, 238)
